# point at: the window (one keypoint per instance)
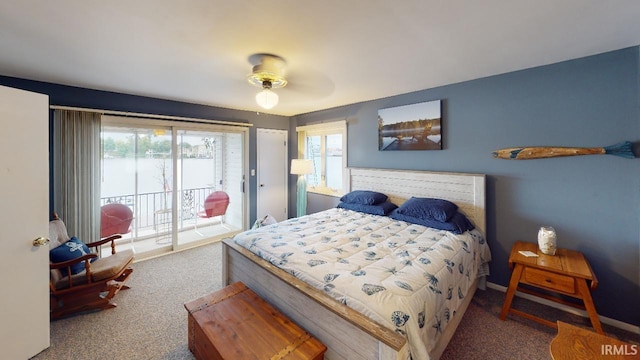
(326, 145)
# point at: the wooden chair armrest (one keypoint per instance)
(103, 241)
(71, 262)
(67, 264)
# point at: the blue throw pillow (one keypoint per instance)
(428, 208)
(457, 224)
(72, 249)
(364, 197)
(379, 209)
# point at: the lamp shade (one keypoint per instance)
(267, 98)
(301, 167)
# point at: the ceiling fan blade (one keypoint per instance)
(300, 83)
(309, 83)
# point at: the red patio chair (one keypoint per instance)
(215, 204)
(115, 219)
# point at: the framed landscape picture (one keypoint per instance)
(411, 127)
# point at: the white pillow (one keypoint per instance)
(267, 220)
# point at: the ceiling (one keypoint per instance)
(337, 52)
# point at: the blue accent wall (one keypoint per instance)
(104, 100)
(593, 202)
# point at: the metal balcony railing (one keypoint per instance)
(152, 211)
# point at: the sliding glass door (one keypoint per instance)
(209, 171)
(182, 183)
(137, 171)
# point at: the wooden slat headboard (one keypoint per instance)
(465, 190)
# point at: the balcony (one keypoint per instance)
(152, 223)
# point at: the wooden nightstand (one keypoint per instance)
(567, 273)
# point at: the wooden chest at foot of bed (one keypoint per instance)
(235, 323)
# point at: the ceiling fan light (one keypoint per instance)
(268, 73)
(258, 78)
(267, 98)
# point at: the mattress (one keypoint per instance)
(407, 277)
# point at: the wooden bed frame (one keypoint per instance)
(347, 333)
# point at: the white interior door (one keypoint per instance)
(272, 174)
(24, 216)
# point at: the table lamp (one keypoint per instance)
(301, 167)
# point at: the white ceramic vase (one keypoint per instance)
(547, 241)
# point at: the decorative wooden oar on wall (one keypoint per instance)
(623, 149)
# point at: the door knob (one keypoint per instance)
(261, 185)
(40, 241)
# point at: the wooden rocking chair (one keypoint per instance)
(96, 284)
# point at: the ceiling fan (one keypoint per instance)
(303, 83)
(268, 73)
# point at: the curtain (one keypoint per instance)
(76, 172)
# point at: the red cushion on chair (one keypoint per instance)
(215, 204)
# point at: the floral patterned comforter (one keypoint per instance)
(407, 277)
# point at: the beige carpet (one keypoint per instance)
(482, 335)
(150, 321)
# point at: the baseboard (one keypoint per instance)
(605, 320)
(166, 250)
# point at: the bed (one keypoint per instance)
(338, 316)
